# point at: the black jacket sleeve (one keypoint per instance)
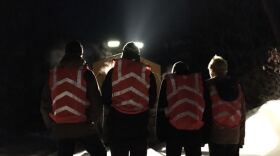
(152, 92)
(243, 121)
(206, 115)
(106, 88)
(46, 106)
(152, 108)
(161, 120)
(95, 111)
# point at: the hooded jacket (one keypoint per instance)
(228, 90)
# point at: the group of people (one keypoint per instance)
(190, 112)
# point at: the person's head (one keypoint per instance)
(131, 51)
(180, 68)
(217, 67)
(74, 49)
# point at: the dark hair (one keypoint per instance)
(180, 68)
(131, 51)
(73, 48)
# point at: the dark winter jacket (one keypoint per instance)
(228, 90)
(124, 127)
(94, 111)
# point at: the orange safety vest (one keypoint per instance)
(130, 86)
(185, 101)
(68, 94)
(226, 113)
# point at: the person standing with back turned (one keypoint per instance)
(71, 104)
(129, 91)
(180, 111)
(227, 110)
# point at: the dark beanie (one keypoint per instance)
(73, 48)
(131, 51)
(180, 68)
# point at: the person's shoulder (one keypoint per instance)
(210, 81)
(110, 71)
(167, 76)
(88, 74)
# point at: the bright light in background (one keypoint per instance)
(140, 45)
(262, 131)
(113, 44)
(107, 66)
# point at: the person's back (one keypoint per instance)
(129, 90)
(70, 104)
(227, 107)
(131, 108)
(180, 111)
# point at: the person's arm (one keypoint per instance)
(95, 110)
(162, 101)
(46, 106)
(242, 123)
(152, 108)
(152, 92)
(206, 115)
(106, 88)
(161, 119)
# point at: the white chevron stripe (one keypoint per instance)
(187, 113)
(131, 102)
(182, 101)
(54, 75)
(119, 69)
(129, 75)
(79, 76)
(196, 82)
(132, 89)
(67, 108)
(225, 113)
(143, 74)
(72, 82)
(184, 88)
(66, 93)
(228, 104)
(173, 84)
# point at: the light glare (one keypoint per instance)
(113, 44)
(140, 45)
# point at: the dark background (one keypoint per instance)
(190, 30)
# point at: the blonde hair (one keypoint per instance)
(218, 66)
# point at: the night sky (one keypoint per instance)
(190, 30)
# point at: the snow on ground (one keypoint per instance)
(263, 131)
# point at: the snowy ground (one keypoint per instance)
(262, 138)
(263, 131)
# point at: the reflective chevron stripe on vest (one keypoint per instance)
(185, 101)
(68, 93)
(130, 86)
(225, 113)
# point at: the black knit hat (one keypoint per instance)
(131, 51)
(73, 48)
